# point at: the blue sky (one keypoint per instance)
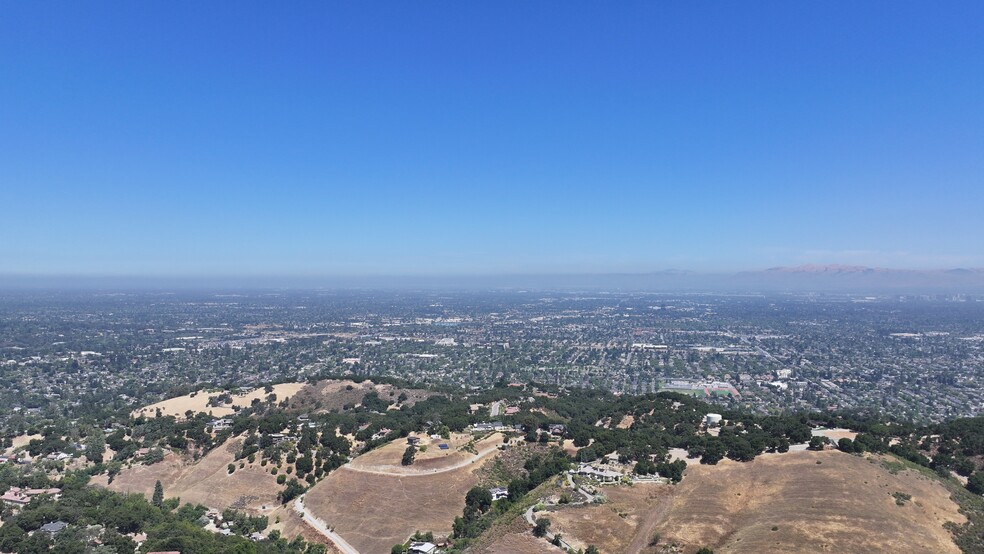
(323, 138)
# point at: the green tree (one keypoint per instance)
(292, 491)
(122, 544)
(158, 498)
(479, 498)
(408, 455)
(304, 464)
(714, 451)
(540, 529)
(95, 447)
(975, 483)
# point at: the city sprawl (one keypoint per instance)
(914, 358)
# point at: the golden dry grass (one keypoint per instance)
(835, 434)
(206, 482)
(613, 525)
(290, 524)
(21, 441)
(777, 503)
(334, 395)
(387, 458)
(374, 510)
(517, 539)
(199, 402)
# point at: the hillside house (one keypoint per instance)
(220, 424)
(423, 548)
(603, 475)
(381, 434)
(485, 427)
(54, 527)
(498, 493)
(16, 496)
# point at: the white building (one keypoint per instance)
(423, 548)
(603, 475)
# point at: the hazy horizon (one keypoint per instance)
(829, 279)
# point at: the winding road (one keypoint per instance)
(322, 527)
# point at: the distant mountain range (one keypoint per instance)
(804, 278)
(860, 278)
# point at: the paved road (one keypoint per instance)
(322, 528)
(588, 497)
(549, 536)
(496, 408)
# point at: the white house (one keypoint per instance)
(423, 548)
(498, 493)
(603, 475)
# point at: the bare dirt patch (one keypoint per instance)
(627, 421)
(835, 434)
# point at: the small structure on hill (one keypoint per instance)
(423, 548)
(498, 493)
(603, 475)
(54, 528)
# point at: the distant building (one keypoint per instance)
(54, 528)
(603, 475)
(16, 496)
(220, 424)
(485, 427)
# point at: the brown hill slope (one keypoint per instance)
(777, 503)
(206, 482)
(373, 507)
